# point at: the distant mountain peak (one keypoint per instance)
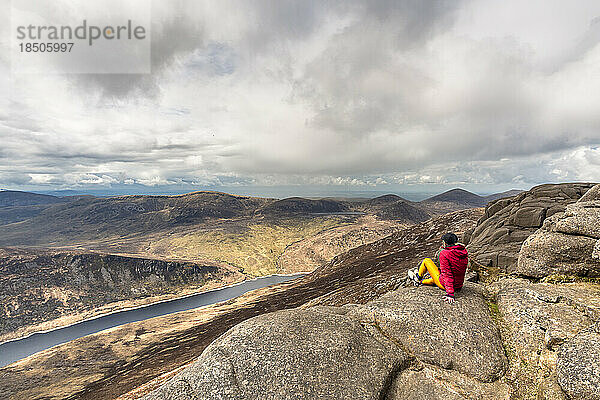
(459, 195)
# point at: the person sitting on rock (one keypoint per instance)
(453, 265)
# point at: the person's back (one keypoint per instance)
(453, 266)
(450, 276)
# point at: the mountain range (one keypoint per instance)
(517, 330)
(249, 233)
(50, 242)
(193, 206)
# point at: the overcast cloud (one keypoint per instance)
(349, 93)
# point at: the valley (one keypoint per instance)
(356, 255)
(46, 289)
(110, 363)
(65, 260)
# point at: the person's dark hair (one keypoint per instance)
(450, 239)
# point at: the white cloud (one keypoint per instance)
(326, 93)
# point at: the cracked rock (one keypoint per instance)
(316, 353)
(578, 365)
(567, 243)
(459, 336)
(433, 383)
(498, 237)
(539, 321)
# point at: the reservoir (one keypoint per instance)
(14, 350)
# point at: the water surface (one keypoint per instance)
(14, 350)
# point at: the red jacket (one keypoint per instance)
(453, 265)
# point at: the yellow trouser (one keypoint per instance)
(429, 266)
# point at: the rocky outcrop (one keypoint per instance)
(567, 243)
(548, 336)
(430, 382)
(460, 337)
(497, 239)
(350, 352)
(313, 354)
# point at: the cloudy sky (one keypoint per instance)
(391, 95)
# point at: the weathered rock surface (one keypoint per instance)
(566, 243)
(311, 354)
(497, 239)
(430, 383)
(538, 321)
(352, 352)
(461, 336)
(578, 365)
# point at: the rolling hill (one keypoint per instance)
(248, 233)
(460, 199)
(12, 198)
(102, 367)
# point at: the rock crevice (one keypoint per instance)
(566, 242)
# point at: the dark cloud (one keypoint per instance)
(180, 30)
(321, 92)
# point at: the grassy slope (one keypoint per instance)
(110, 363)
(250, 234)
(254, 249)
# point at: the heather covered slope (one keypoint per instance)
(15, 198)
(89, 219)
(18, 206)
(250, 234)
(109, 363)
(507, 339)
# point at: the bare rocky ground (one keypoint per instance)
(546, 326)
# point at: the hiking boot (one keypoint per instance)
(413, 275)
